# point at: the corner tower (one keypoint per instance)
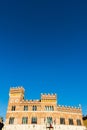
(16, 94)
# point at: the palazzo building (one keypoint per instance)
(41, 114)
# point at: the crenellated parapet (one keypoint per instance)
(18, 89)
(70, 109)
(48, 97)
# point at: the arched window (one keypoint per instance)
(70, 121)
(11, 120)
(62, 120)
(34, 120)
(78, 122)
(52, 108)
(34, 108)
(25, 120)
(13, 108)
(49, 120)
(49, 108)
(25, 108)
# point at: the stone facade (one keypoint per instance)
(43, 114)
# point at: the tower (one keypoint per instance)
(16, 94)
(49, 101)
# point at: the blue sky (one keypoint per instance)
(43, 47)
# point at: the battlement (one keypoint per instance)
(16, 93)
(14, 90)
(48, 94)
(48, 97)
(70, 109)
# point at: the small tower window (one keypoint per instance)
(13, 108)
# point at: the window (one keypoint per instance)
(78, 122)
(11, 120)
(45, 108)
(70, 121)
(25, 120)
(49, 108)
(62, 120)
(13, 108)
(52, 108)
(49, 120)
(34, 108)
(34, 120)
(25, 108)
